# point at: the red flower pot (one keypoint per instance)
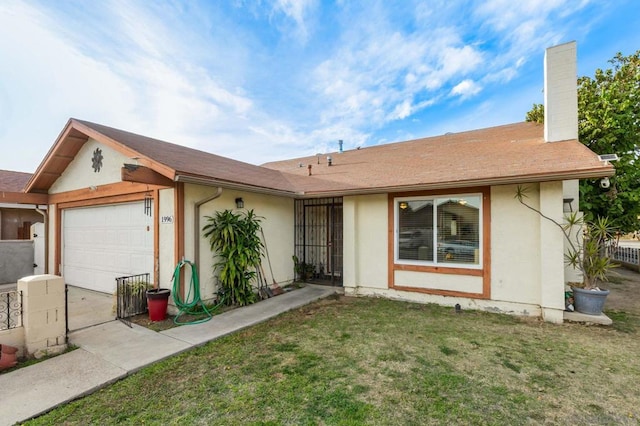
(157, 301)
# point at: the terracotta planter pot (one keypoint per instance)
(8, 356)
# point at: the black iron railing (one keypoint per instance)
(131, 296)
(10, 309)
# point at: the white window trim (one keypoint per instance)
(396, 232)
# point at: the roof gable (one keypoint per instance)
(168, 159)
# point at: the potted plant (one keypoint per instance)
(304, 271)
(589, 243)
(592, 259)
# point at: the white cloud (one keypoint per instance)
(401, 110)
(297, 11)
(466, 89)
(369, 80)
(262, 80)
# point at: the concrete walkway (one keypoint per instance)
(111, 351)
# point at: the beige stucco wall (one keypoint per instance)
(365, 241)
(515, 246)
(80, 173)
(434, 281)
(277, 224)
(166, 255)
(526, 255)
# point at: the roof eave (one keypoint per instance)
(197, 180)
(509, 180)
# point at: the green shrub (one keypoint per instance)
(233, 237)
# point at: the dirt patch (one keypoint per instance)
(625, 291)
(169, 322)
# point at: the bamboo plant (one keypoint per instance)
(234, 238)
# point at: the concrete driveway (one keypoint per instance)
(88, 308)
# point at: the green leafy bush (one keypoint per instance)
(234, 238)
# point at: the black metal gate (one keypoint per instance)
(131, 296)
(10, 309)
(318, 238)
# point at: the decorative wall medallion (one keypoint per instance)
(97, 160)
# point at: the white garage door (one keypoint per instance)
(102, 243)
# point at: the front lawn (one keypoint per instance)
(374, 361)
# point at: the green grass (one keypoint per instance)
(349, 361)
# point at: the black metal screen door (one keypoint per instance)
(318, 238)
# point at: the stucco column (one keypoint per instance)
(349, 208)
(552, 253)
(43, 314)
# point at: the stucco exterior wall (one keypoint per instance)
(526, 255)
(365, 241)
(515, 246)
(80, 173)
(277, 225)
(435, 281)
(166, 256)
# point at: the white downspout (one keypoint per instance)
(45, 215)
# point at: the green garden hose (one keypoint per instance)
(192, 304)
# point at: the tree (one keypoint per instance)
(609, 123)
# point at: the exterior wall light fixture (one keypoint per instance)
(239, 203)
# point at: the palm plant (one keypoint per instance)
(233, 237)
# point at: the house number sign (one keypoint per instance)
(166, 219)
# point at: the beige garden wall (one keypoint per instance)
(277, 224)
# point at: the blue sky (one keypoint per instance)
(265, 80)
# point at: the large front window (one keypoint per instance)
(439, 230)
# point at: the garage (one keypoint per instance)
(105, 242)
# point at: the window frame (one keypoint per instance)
(434, 263)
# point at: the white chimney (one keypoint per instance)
(560, 93)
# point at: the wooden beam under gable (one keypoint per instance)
(141, 174)
(23, 198)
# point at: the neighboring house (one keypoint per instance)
(428, 220)
(22, 228)
(17, 209)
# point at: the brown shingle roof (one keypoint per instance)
(504, 154)
(513, 153)
(194, 163)
(13, 181)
